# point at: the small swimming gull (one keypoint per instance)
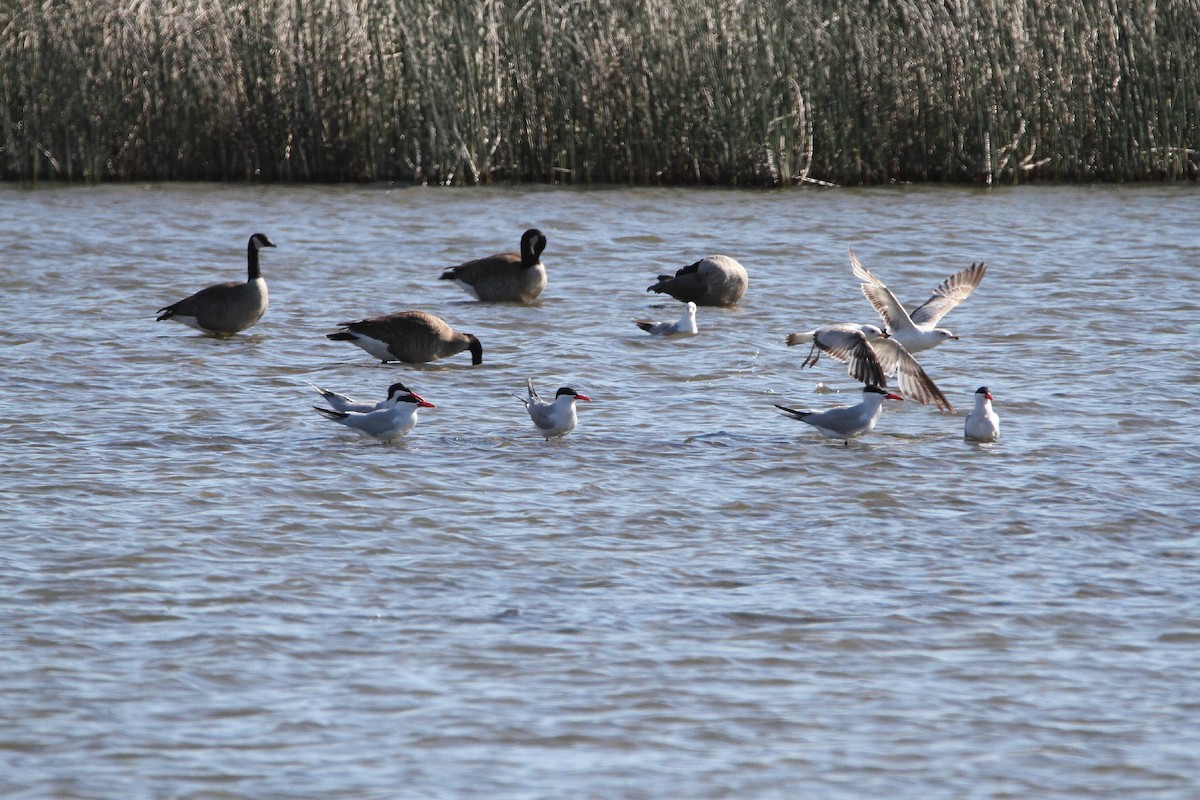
(685, 325)
(846, 422)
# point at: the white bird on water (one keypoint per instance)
(983, 424)
(916, 330)
(340, 402)
(555, 418)
(871, 356)
(684, 326)
(846, 422)
(397, 417)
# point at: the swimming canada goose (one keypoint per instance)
(226, 308)
(507, 277)
(713, 281)
(413, 337)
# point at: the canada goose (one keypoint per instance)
(397, 417)
(713, 281)
(846, 422)
(226, 308)
(413, 337)
(870, 356)
(555, 418)
(983, 424)
(508, 277)
(916, 331)
(685, 325)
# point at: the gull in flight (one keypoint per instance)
(916, 329)
(871, 356)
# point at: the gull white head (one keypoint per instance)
(873, 332)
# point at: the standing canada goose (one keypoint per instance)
(684, 326)
(556, 418)
(846, 422)
(226, 308)
(507, 277)
(983, 424)
(916, 330)
(397, 417)
(713, 281)
(413, 337)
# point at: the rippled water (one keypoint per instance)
(209, 591)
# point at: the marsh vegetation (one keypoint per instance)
(760, 92)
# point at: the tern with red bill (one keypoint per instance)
(397, 417)
(846, 422)
(983, 424)
(556, 418)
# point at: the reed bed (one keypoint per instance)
(734, 92)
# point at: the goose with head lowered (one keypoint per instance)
(506, 277)
(397, 417)
(414, 337)
(713, 281)
(552, 418)
(226, 308)
(846, 422)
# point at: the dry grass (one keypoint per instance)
(760, 92)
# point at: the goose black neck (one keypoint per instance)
(252, 262)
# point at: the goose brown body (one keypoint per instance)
(413, 337)
(713, 281)
(506, 277)
(226, 308)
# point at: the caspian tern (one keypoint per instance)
(507, 277)
(685, 325)
(871, 356)
(846, 422)
(413, 337)
(226, 308)
(916, 330)
(391, 422)
(556, 418)
(983, 423)
(340, 402)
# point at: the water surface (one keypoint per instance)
(209, 591)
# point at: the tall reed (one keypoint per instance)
(736, 92)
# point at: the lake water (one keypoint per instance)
(209, 591)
